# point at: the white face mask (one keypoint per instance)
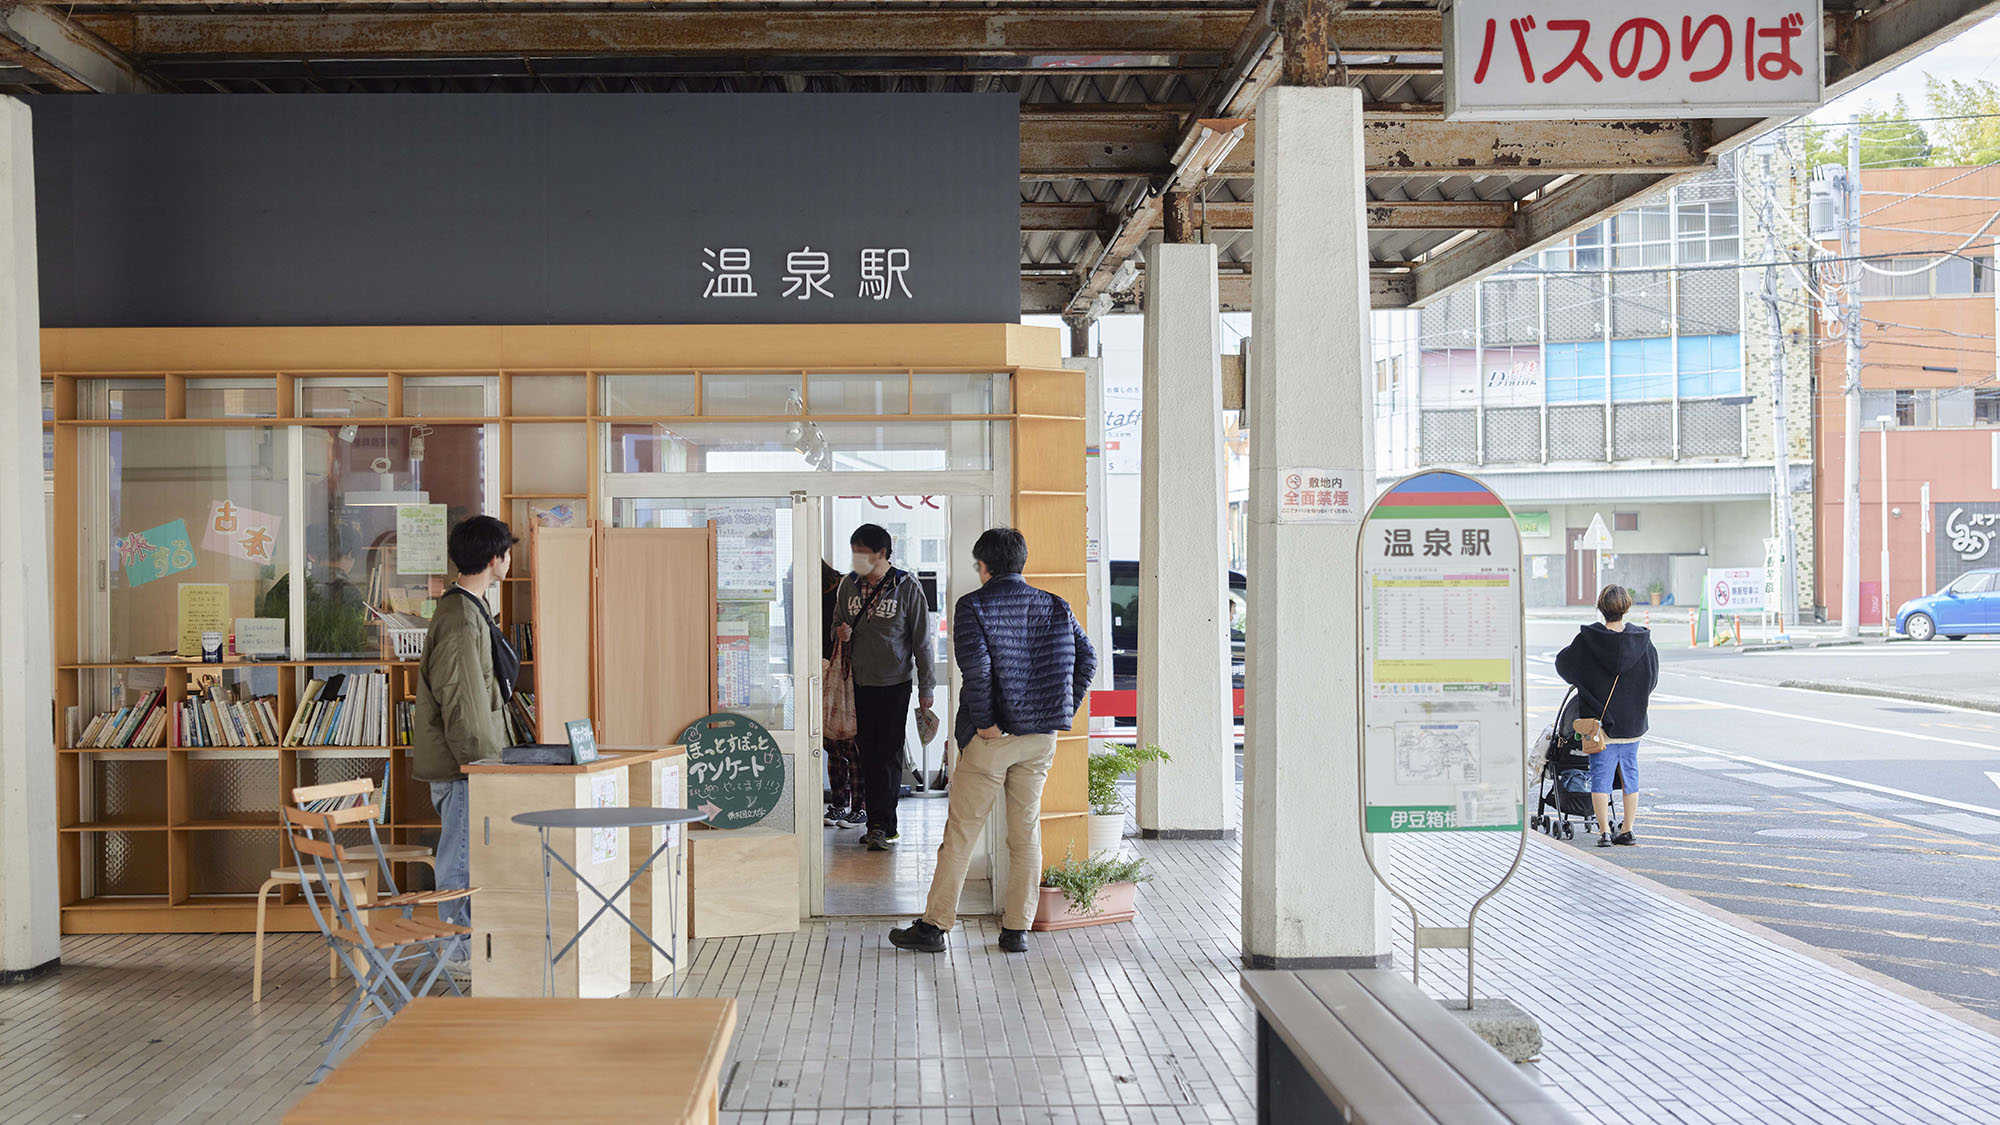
(864, 564)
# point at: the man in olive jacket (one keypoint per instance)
(463, 684)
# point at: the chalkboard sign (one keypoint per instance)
(736, 773)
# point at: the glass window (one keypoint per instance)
(958, 394)
(189, 506)
(727, 395)
(232, 398)
(445, 396)
(1448, 378)
(1954, 406)
(1910, 280)
(1985, 407)
(1575, 372)
(1708, 232)
(1711, 366)
(1913, 408)
(548, 396)
(343, 398)
(1953, 277)
(652, 396)
(1978, 582)
(1982, 273)
(1624, 521)
(1590, 248)
(120, 400)
(1641, 369)
(1640, 236)
(858, 394)
(799, 446)
(356, 477)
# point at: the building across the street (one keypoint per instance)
(1622, 376)
(1927, 388)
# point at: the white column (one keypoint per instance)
(1308, 896)
(29, 904)
(1097, 558)
(1184, 685)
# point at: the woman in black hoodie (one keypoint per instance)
(1614, 668)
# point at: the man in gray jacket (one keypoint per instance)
(881, 616)
(463, 684)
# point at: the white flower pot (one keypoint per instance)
(1106, 832)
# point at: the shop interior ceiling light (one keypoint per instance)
(387, 496)
(1219, 137)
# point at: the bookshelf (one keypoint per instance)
(517, 420)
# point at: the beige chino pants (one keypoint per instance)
(1014, 764)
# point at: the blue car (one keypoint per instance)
(1971, 604)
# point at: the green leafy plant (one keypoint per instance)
(1655, 588)
(1108, 765)
(336, 620)
(1080, 880)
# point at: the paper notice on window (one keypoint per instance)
(420, 538)
(603, 795)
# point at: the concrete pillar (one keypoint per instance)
(1308, 896)
(1184, 701)
(29, 904)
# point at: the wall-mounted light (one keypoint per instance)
(1219, 137)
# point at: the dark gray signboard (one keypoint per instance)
(1963, 539)
(526, 209)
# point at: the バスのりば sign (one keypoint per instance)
(1526, 59)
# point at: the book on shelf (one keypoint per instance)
(345, 709)
(520, 714)
(524, 640)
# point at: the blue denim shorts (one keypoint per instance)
(1613, 758)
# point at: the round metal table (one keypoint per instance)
(547, 820)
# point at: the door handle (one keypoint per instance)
(815, 715)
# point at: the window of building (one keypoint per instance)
(1584, 252)
(1624, 521)
(1911, 277)
(1708, 232)
(1642, 369)
(1914, 408)
(1641, 237)
(1574, 372)
(1449, 377)
(1711, 366)
(1986, 407)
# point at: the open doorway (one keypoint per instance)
(928, 544)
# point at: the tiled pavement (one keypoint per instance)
(1655, 1009)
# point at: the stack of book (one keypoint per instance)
(343, 710)
(219, 716)
(141, 725)
(521, 719)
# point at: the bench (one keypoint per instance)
(1367, 1046)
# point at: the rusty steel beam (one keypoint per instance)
(1306, 27)
(1254, 61)
(52, 47)
(1558, 215)
(1384, 215)
(351, 32)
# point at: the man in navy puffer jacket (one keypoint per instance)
(1025, 665)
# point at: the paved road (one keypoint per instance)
(1886, 814)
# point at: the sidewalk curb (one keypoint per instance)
(1883, 981)
(1840, 687)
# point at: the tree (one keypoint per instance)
(1973, 134)
(1889, 139)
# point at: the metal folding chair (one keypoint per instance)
(378, 940)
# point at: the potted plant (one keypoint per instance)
(1089, 892)
(1655, 591)
(1107, 804)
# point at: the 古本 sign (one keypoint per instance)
(1527, 59)
(1441, 676)
(736, 773)
(1319, 496)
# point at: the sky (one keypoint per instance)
(1971, 56)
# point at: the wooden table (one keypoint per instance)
(473, 1059)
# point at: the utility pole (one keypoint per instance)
(1781, 496)
(1850, 318)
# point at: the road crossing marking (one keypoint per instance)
(1988, 746)
(1847, 781)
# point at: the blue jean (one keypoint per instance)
(1615, 759)
(454, 857)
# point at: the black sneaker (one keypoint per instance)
(1625, 840)
(875, 842)
(849, 818)
(833, 818)
(1013, 941)
(1604, 840)
(918, 937)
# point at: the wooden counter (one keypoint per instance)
(482, 1059)
(508, 927)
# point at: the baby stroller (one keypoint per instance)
(1564, 778)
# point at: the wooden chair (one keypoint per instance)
(375, 939)
(293, 877)
(360, 790)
